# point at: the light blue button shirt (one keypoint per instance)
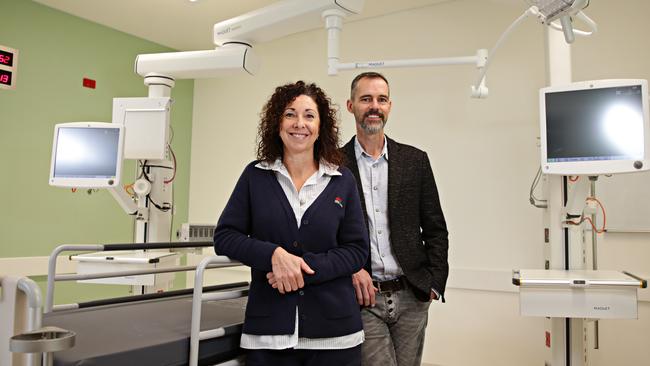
(374, 181)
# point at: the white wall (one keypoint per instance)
(483, 152)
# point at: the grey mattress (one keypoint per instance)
(152, 332)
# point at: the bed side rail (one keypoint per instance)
(219, 262)
(196, 334)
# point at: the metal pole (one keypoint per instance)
(594, 252)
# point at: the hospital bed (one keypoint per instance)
(152, 329)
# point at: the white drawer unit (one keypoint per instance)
(119, 261)
(578, 293)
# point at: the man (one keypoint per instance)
(407, 268)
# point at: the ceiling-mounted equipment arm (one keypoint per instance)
(278, 20)
(226, 60)
(235, 37)
(334, 24)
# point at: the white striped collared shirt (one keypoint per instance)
(300, 202)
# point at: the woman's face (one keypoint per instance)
(299, 126)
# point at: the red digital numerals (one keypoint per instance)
(5, 77)
(7, 67)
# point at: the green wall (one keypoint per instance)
(56, 51)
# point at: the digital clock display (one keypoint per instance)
(5, 77)
(6, 58)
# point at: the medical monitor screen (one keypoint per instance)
(85, 156)
(595, 130)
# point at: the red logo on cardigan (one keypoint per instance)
(339, 201)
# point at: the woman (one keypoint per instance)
(295, 218)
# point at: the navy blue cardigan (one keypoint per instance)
(332, 240)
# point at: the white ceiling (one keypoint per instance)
(185, 25)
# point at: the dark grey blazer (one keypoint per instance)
(418, 231)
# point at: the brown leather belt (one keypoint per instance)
(393, 285)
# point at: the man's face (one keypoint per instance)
(370, 105)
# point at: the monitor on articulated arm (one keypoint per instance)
(595, 127)
(87, 155)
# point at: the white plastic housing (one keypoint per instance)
(223, 61)
(620, 125)
(279, 19)
(146, 123)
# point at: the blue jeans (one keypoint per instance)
(394, 330)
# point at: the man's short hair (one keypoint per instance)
(368, 75)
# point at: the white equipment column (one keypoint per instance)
(158, 228)
(567, 336)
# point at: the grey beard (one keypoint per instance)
(372, 130)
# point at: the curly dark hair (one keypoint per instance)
(269, 143)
